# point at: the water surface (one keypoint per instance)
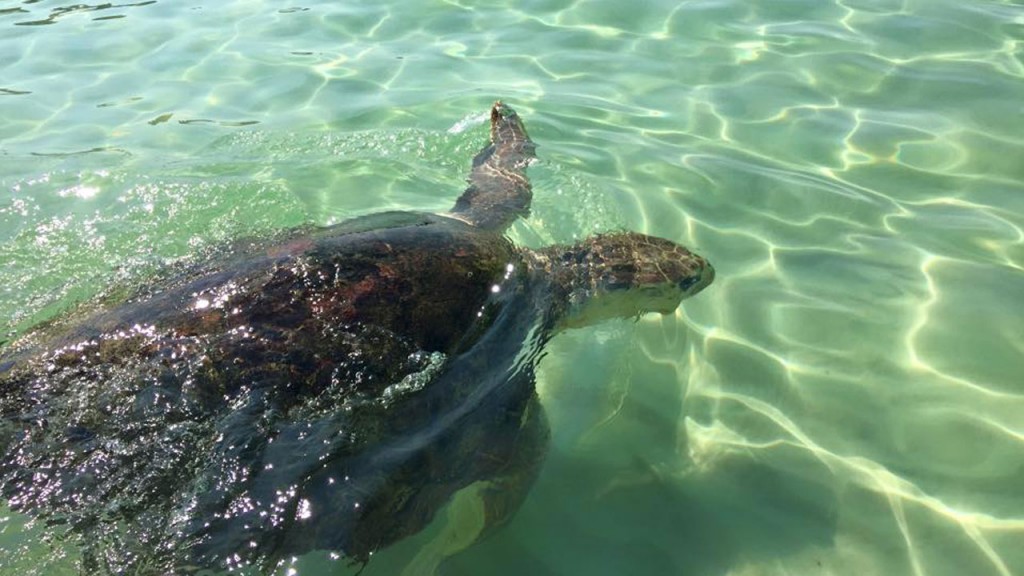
(847, 397)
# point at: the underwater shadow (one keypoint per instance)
(645, 521)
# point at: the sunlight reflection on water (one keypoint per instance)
(845, 398)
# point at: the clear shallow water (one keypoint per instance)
(846, 398)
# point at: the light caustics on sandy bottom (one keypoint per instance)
(920, 345)
(857, 190)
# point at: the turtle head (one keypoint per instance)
(623, 275)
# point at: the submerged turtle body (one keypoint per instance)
(330, 390)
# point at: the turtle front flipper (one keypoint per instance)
(499, 191)
(508, 464)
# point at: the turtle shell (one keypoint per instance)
(254, 402)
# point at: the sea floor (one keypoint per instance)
(846, 399)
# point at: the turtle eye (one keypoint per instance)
(686, 283)
(616, 280)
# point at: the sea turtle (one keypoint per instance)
(330, 389)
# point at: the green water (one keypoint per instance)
(847, 398)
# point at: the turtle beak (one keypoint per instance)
(694, 284)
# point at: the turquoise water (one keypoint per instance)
(847, 398)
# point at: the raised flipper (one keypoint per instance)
(499, 191)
